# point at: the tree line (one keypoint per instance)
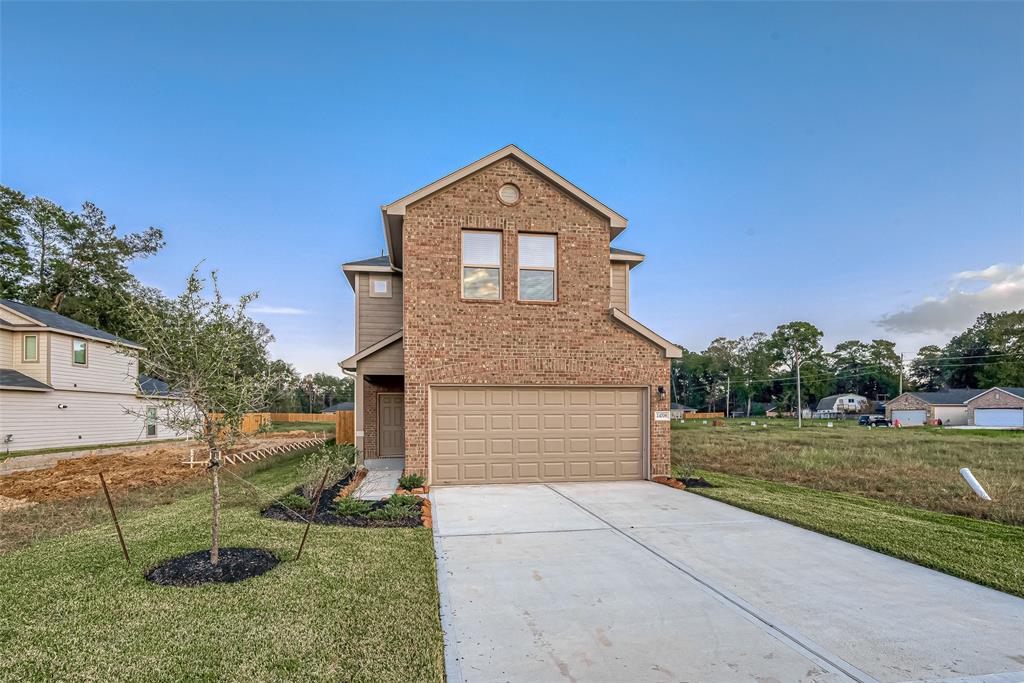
(754, 372)
(76, 263)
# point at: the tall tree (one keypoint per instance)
(926, 370)
(1004, 339)
(754, 362)
(800, 342)
(15, 264)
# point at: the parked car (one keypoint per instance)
(874, 421)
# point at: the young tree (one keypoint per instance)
(214, 360)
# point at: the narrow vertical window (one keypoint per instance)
(537, 267)
(79, 352)
(151, 421)
(481, 265)
(30, 348)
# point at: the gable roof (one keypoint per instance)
(393, 214)
(1016, 391)
(670, 349)
(12, 379)
(350, 362)
(829, 402)
(377, 264)
(946, 397)
(633, 258)
(62, 323)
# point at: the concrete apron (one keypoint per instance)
(625, 581)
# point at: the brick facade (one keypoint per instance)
(997, 398)
(574, 341)
(909, 402)
(372, 386)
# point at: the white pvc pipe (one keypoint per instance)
(974, 484)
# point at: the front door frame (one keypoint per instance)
(380, 425)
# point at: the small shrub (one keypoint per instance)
(351, 507)
(411, 481)
(296, 502)
(397, 507)
(338, 458)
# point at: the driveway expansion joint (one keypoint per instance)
(773, 627)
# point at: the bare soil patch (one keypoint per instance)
(158, 466)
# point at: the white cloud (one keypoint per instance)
(279, 310)
(971, 292)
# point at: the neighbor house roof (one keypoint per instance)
(680, 406)
(393, 214)
(947, 397)
(56, 321)
(633, 258)
(350, 362)
(339, 407)
(151, 386)
(670, 349)
(12, 379)
(1016, 391)
(377, 264)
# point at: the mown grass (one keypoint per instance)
(918, 467)
(361, 604)
(309, 426)
(987, 553)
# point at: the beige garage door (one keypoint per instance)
(518, 434)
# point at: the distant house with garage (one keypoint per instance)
(995, 407)
(838, 405)
(64, 383)
(679, 411)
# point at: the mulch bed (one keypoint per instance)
(687, 483)
(325, 514)
(195, 569)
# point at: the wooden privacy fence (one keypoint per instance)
(702, 416)
(344, 422)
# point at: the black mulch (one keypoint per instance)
(697, 483)
(325, 514)
(195, 569)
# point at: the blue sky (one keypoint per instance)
(860, 166)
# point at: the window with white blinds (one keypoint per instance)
(537, 267)
(481, 265)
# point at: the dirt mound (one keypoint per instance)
(157, 466)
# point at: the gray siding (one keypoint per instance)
(376, 317)
(388, 361)
(620, 287)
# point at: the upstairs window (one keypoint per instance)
(481, 265)
(380, 286)
(537, 270)
(30, 348)
(79, 352)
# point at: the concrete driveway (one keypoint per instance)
(634, 581)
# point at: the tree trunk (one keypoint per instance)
(215, 526)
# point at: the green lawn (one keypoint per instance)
(914, 466)
(987, 553)
(361, 605)
(311, 426)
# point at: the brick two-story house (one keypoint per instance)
(494, 343)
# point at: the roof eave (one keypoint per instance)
(670, 349)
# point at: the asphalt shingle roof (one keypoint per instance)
(339, 407)
(947, 396)
(14, 379)
(61, 322)
(375, 261)
(625, 252)
(151, 386)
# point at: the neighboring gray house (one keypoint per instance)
(62, 383)
(340, 407)
(679, 410)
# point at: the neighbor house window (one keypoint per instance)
(30, 348)
(79, 352)
(537, 258)
(380, 286)
(150, 421)
(481, 265)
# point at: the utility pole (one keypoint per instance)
(728, 380)
(901, 374)
(799, 401)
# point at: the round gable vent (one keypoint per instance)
(509, 194)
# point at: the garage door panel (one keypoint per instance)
(909, 418)
(999, 417)
(506, 434)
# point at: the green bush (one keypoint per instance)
(296, 502)
(411, 481)
(351, 507)
(398, 507)
(339, 459)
